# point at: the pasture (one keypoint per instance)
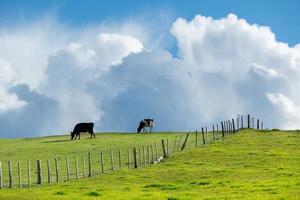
(249, 165)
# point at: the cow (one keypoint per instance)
(82, 128)
(146, 123)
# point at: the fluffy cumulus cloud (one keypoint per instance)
(288, 111)
(53, 77)
(7, 77)
(245, 60)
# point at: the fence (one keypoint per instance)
(81, 165)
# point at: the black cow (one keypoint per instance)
(81, 128)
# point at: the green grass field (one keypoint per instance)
(249, 165)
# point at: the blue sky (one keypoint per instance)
(186, 64)
(282, 16)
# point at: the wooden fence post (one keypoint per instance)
(128, 156)
(134, 158)
(56, 170)
(227, 127)
(152, 154)
(175, 142)
(112, 159)
(48, 171)
(156, 151)
(10, 174)
(83, 166)
(140, 156)
(184, 143)
(164, 148)
(222, 125)
(167, 145)
(120, 159)
(242, 121)
(90, 164)
(248, 116)
(29, 174)
(1, 180)
(144, 155)
(39, 172)
(148, 155)
(233, 126)
(76, 168)
(257, 124)
(19, 175)
(214, 137)
(203, 138)
(218, 132)
(206, 134)
(102, 162)
(68, 168)
(179, 142)
(196, 138)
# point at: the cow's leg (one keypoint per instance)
(78, 136)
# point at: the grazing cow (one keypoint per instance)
(146, 123)
(82, 128)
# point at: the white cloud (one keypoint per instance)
(265, 72)
(226, 49)
(71, 68)
(7, 74)
(112, 47)
(289, 111)
(27, 48)
(85, 57)
(8, 101)
(230, 45)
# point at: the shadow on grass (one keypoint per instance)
(93, 194)
(162, 186)
(56, 141)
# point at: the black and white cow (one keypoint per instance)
(144, 124)
(82, 128)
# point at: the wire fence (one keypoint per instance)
(25, 174)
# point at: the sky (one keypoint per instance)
(184, 63)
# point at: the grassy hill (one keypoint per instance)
(249, 165)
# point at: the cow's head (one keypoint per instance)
(72, 135)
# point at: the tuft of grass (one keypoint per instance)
(162, 186)
(93, 193)
(60, 193)
(127, 189)
(203, 183)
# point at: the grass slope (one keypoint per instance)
(250, 165)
